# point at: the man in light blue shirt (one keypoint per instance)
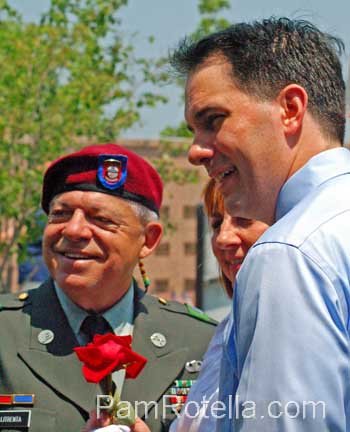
(265, 102)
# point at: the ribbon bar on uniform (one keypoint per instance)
(17, 399)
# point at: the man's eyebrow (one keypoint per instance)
(58, 202)
(100, 210)
(198, 115)
(202, 113)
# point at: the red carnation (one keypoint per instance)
(108, 353)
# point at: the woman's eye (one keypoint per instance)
(215, 224)
(243, 222)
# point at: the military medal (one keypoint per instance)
(178, 393)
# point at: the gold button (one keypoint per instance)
(23, 296)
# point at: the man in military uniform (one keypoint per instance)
(102, 204)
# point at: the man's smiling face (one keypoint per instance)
(238, 138)
(92, 243)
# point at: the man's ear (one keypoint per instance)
(293, 101)
(153, 234)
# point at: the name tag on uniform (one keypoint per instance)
(19, 419)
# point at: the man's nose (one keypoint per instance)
(78, 227)
(199, 154)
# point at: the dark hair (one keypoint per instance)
(266, 56)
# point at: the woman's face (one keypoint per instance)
(232, 237)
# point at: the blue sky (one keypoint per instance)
(169, 20)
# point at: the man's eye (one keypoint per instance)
(57, 215)
(213, 121)
(102, 219)
(57, 212)
(105, 222)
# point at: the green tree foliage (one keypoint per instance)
(211, 17)
(67, 80)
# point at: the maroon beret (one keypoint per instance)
(106, 168)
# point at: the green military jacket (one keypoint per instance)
(52, 372)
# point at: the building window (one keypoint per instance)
(165, 212)
(163, 249)
(190, 248)
(189, 212)
(189, 292)
(161, 285)
(190, 285)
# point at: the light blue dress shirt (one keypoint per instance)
(286, 361)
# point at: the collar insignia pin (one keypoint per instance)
(158, 340)
(45, 337)
(193, 366)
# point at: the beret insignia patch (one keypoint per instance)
(112, 170)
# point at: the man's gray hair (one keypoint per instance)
(143, 213)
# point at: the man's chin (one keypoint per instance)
(79, 291)
(240, 208)
(234, 206)
(73, 283)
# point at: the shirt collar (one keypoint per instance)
(320, 168)
(117, 316)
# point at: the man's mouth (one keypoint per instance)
(226, 173)
(77, 256)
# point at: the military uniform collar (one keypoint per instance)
(118, 316)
